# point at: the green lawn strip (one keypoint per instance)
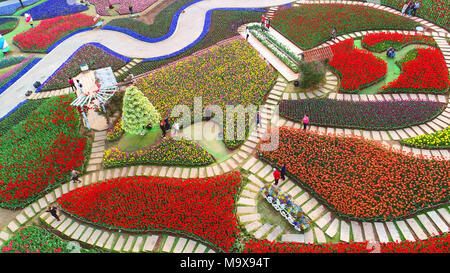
(224, 24)
(161, 23)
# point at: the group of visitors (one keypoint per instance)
(277, 175)
(265, 23)
(410, 7)
(72, 85)
(391, 52)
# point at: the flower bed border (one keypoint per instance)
(351, 217)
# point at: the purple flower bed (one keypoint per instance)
(54, 8)
(367, 115)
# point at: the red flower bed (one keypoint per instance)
(38, 153)
(358, 68)
(359, 179)
(426, 73)
(381, 41)
(431, 245)
(49, 31)
(200, 207)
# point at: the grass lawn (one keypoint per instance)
(131, 143)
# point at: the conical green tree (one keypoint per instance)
(137, 111)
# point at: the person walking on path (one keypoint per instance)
(283, 172)
(258, 120)
(52, 211)
(263, 20)
(276, 176)
(162, 125)
(75, 176)
(130, 8)
(267, 23)
(305, 122)
(404, 8)
(410, 7)
(72, 85)
(247, 33)
(333, 33)
(80, 86)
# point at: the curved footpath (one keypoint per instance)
(189, 27)
(326, 228)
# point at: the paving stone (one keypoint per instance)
(265, 171)
(428, 225)
(253, 226)
(155, 171)
(249, 194)
(170, 172)
(256, 181)
(109, 243)
(193, 173)
(294, 191)
(200, 248)
(119, 244)
(309, 236)
(302, 198)
(202, 172)
(438, 221)
(249, 217)
(13, 226)
(180, 245)
(77, 234)
(86, 234)
(95, 235)
(150, 243)
(316, 212)
(393, 232)
(357, 232)
(308, 206)
(404, 229)
(249, 163)
(257, 167)
(333, 228)
(103, 239)
(381, 232)
(5, 236)
(262, 230)
(416, 228)
(29, 212)
(274, 233)
(163, 171)
(297, 238)
(287, 186)
(168, 244)
(21, 218)
(320, 236)
(324, 220)
(190, 246)
(369, 233)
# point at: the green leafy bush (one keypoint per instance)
(311, 74)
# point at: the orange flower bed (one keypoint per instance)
(360, 179)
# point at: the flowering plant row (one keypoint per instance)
(116, 131)
(49, 31)
(8, 61)
(169, 152)
(437, 11)
(33, 239)
(21, 113)
(200, 207)
(427, 73)
(360, 179)
(101, 6)
(367, 115)
(440, 244)
(91, 55)
(310, 25)
(437, 140)
(379, 42)
(228, 74)
(5, 77)
(54, 8)
(38, 153)
(357, 68)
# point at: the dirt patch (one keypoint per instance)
(156, 8)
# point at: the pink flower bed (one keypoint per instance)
(138, 5)
(6, 75)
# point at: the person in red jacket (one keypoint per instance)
(276, 176)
